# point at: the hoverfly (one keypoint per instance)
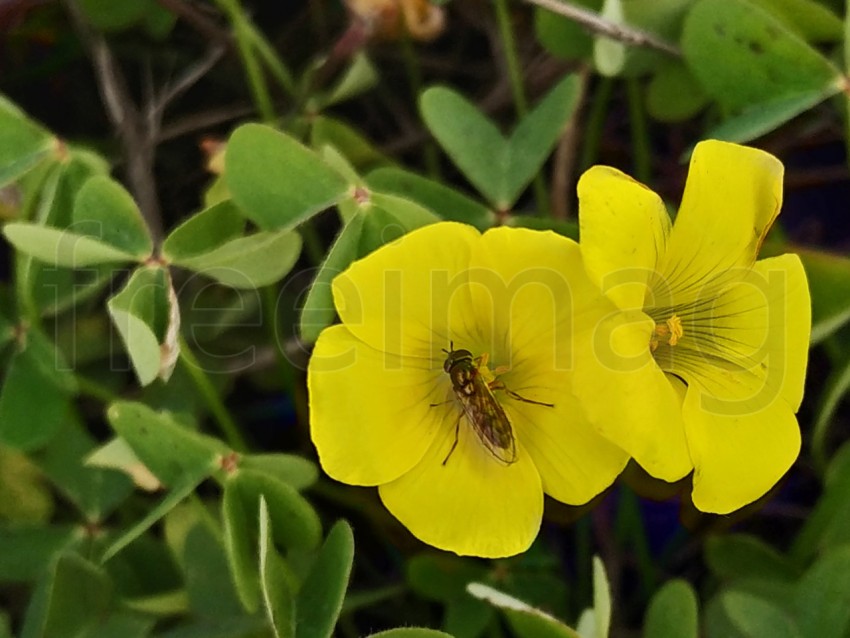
(480, 406)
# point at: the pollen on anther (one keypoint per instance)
(674, 325)
(668, 332)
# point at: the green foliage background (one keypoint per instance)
(156, 474)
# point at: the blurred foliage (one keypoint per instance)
(156, 475)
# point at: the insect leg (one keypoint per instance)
(519, 397)
(498, 385)
(454, 445)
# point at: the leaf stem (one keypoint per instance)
(245, 43)
(595, 123)
(213, 401)
(639, 132)
(837, 386)
(630, 529)
(511, 58)
(430, 156)
(95, 390)
(506, 33)
(598, 25)
(271, 319)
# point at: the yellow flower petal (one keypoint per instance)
(408, 296)
(746, 341)
(530, 291)
(575, 463)
(473, 505)
(738, 457)
(790, 326)
(731, 198)
(627, 397)
(624, 228)
(371, 418)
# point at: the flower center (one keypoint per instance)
(668, 332)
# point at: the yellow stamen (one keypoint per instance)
(668, 332)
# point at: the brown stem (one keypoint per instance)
(597, 24)
(133, 130)
(563, 165)
(198, 21)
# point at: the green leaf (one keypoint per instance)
(72, 600)
(28, 550)
(248, 262)
(443, 200)
(757, 618)
(499, 168)
(53, 288)
(289, 468)
(320, 597)
(672, 612)
(525, 620)
(755, 121)
(808, 18)
(35, 398)
(822, 606)
(106, 212)
(829, 285)
(158, 21)
(180, 458)
(294, 523)
(410, 632)
(278, 599)
(117, 454)
(526, 624)
(828, 524)
(94, 491)
(277, 181)
(467, 617)
(318, 311)
(737, 556)
(242, 627)
(361, 152)
(171, 451)
(443, 577)
(204, 232)
(358, 78)
(167, 604)
(836, 387)
(146, 316)
(388, 217)
(562, 37)
(180, 489)
(339, 162)
(743, 56)
(673, 94)
(609, 56)
(202, 556)
(62, 247)
(23, 143)
(123, 625)
(108, 15)
(847, 40)
(601, 599)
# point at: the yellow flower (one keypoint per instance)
(703, 367)
(462, 465)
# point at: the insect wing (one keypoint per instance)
(490, 422)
